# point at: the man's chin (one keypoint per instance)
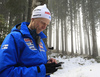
(38, 32)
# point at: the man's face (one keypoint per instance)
(40, 24)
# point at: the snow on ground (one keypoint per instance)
(78, 67)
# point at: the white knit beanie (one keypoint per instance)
(41, 12)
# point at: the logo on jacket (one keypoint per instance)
(27, 40)
(41, 47)
(30, 43)
(5, 46)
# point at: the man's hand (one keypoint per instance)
(51, 68)
(52, 60)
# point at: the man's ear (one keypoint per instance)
(32, 19)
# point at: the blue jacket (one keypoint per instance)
(20, 56)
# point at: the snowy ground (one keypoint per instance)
(78, 67)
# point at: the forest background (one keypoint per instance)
(74, 29)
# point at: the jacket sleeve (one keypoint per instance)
(8, 61)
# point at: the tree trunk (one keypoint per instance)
(92, 24)
(62, 40)
(72, 51)
(66, 47)
(29, 10)
(57, 35)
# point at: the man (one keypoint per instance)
(23, 52)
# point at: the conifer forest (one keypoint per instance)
(74, 28)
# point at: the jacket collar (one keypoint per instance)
(25, 31)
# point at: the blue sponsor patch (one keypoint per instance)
(50, 17)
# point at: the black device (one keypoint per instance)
(51, 48)
(60, 63)
(59, 67)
